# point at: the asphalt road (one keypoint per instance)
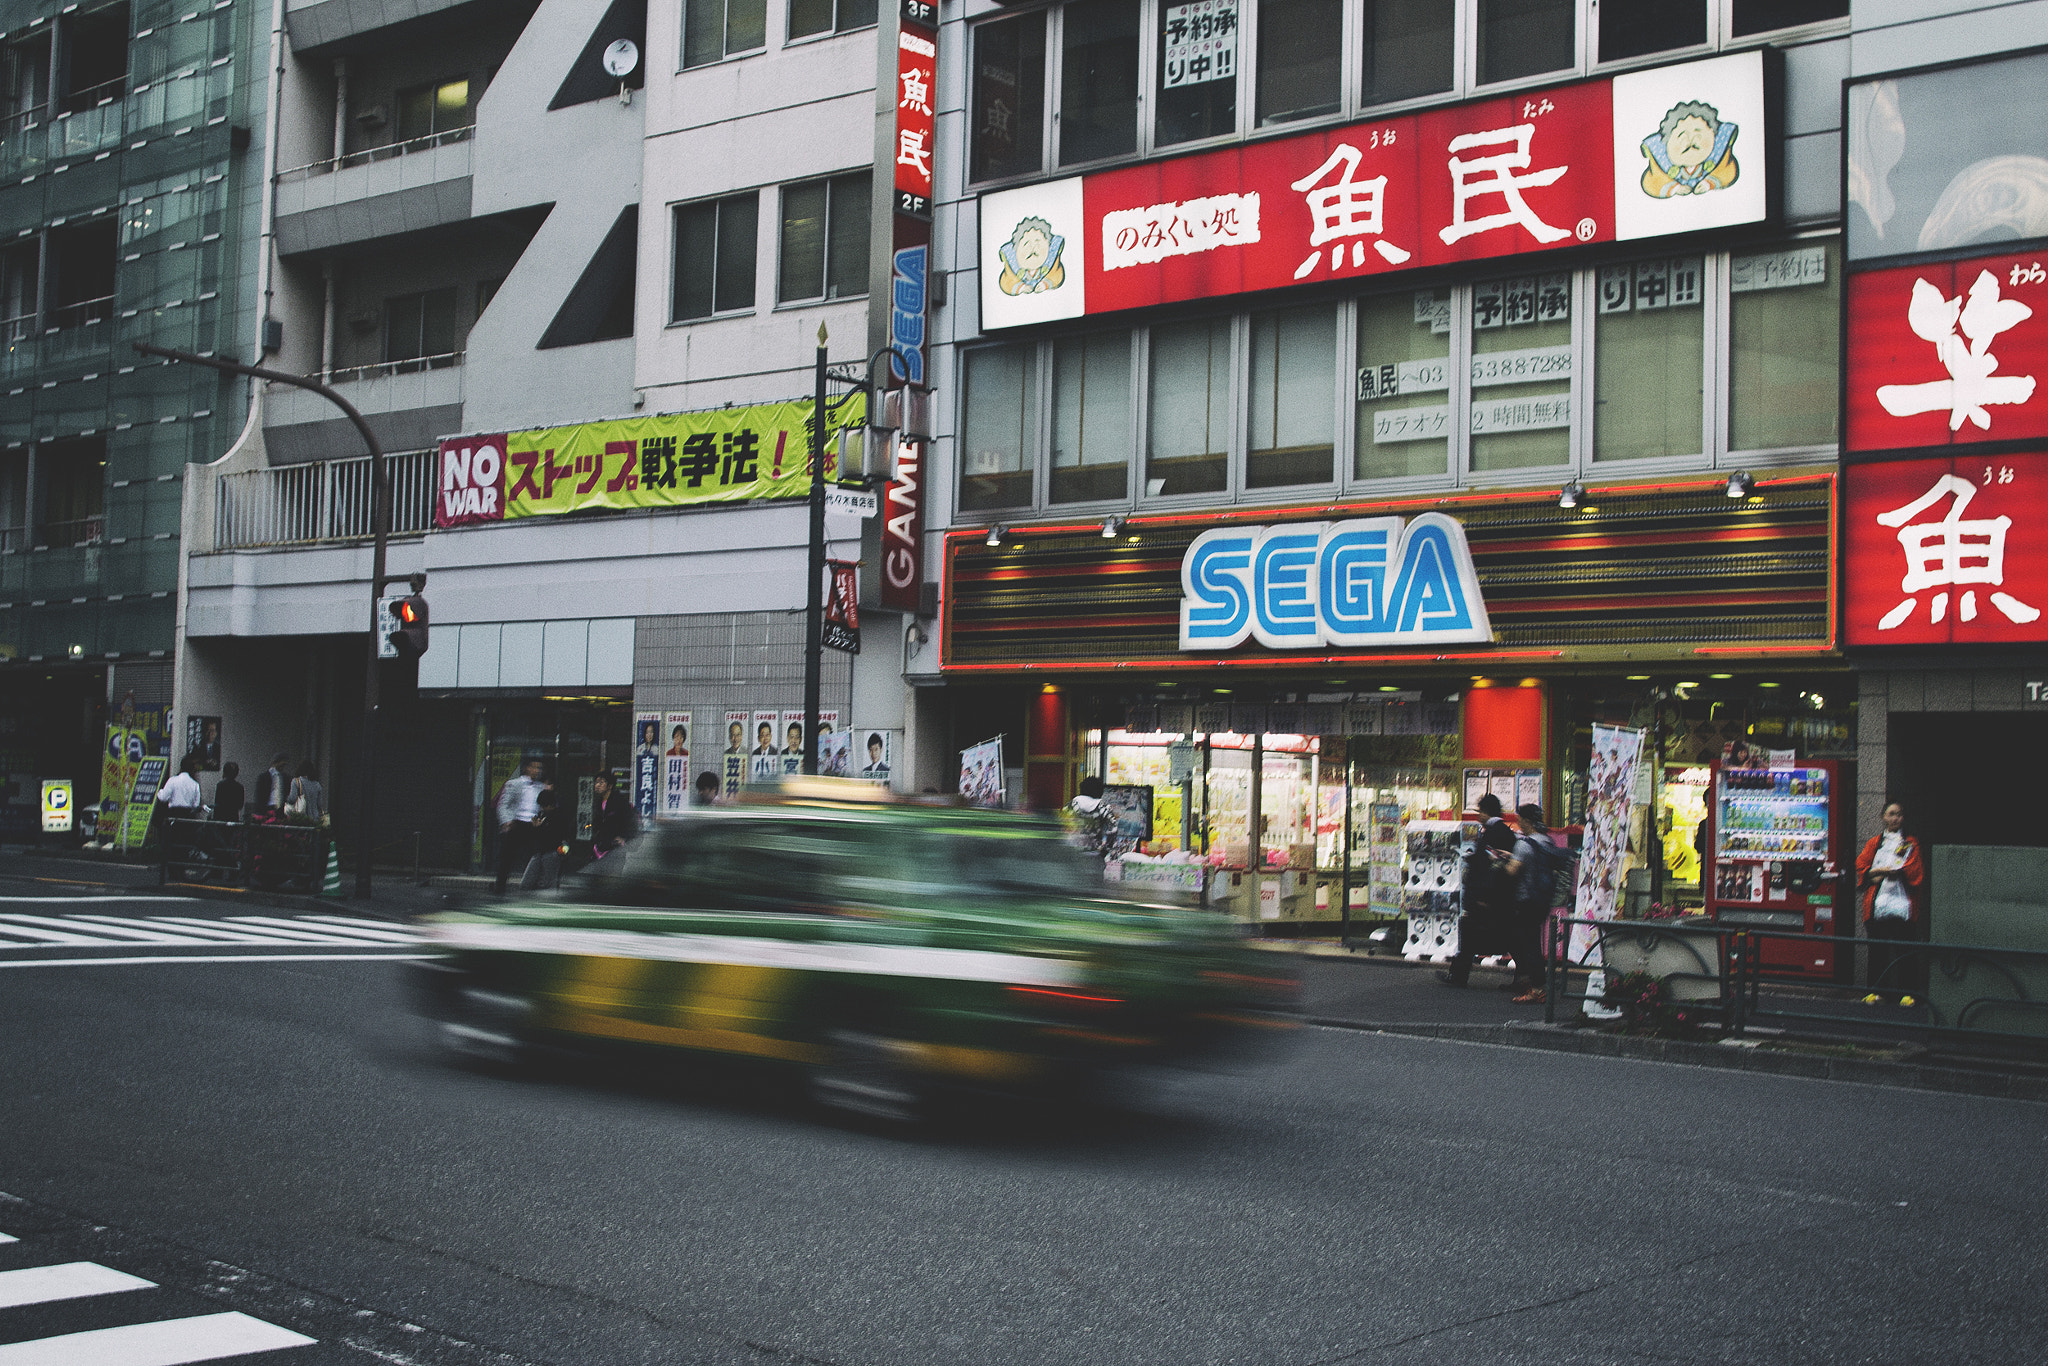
(276, 1138)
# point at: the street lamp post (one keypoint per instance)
(380, 526)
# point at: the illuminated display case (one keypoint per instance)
(1774, 835)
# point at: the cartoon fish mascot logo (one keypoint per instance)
(1691, 152)
(1031, 259)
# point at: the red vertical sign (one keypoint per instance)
(902, 511)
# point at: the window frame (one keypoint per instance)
(829, 182)
(1717, 372)
(791, 38)
(675, 209)
(726, 54)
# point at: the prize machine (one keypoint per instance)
(1774, 837)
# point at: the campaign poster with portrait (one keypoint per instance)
(876, 751)
(646, 762)
(790, 736)
(1610, 807)
(733, 766)
(202, 737)
(981, 772)
(675, 763)
(764, 753)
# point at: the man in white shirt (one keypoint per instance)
(180, 796)
(518, 806)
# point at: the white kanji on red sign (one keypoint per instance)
(1345, 208)
(1490, 175)
(1951, 553)
(1971, 385)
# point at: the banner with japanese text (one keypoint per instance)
(1651, 153)
(668, 460)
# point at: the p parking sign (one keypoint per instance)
(57, 806)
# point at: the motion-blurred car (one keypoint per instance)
(887, 953)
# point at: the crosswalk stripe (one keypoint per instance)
(11, 931)
(204, 931)
(171, 1342)
(133, 931)
(380, 934)
(384, 925)
(67, 1281)
(390, 954)
(8, 1238)
(84, 900)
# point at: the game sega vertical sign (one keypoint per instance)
(902, 513)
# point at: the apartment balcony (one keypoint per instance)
(381, 192)
(326, 500)
(316, 23)
(409, 404)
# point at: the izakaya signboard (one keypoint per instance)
(1372, 581)
(1647, 154)
(1948, 353)
(729, 455)
(1952, 550)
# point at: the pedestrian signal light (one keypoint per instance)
(410, 639)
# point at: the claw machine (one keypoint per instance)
(1775, 843)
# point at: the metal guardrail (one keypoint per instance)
(384, 153)
(323, 500)
(243, 854)
(1965, 991)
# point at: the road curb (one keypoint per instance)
(1760, 1058)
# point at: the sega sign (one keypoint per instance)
(1369, 581)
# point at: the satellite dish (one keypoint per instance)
(622, 57)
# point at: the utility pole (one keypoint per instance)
(814, 605)
(380, 525)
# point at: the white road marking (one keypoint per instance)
(121, 934)
(205, 931)
(394, 956)
(208, 1337)
(385, 925)
(10, 931)
(66, 1281)
(46, 900)
(8, 1238)
(383, 933)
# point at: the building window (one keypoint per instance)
(72, 483)
(1520, 409)
(1410, 49)
(1197, 71)
(825, 238)
(1293, 403)
(425, 110)
(1007, 106)
(1403, 385)
(829, 16)
(716, 29)
(714, 262)
(1520, 38)
(1301, 60)
(1098, 80)
(419, 326)
(999, 440)
(1637, 28)
(1188, 407)
(1091, 418)
(1783, 339)
(1649, 359)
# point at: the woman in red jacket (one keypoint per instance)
(1889, 874)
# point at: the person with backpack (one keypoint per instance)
(1486, 894)
(1534, 866)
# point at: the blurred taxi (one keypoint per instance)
(886, 952)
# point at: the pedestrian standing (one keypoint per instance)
(180, 796)
(307, 803)
(1533, 866)
(227, 793)
(1486, 894)
(273, 787)
(1889, 873)
(518, 804)
(613, 820)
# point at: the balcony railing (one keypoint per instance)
(412, 365)
(325, 500)
(80, 531)
(384, 153)
(93, 96)
(80, 314)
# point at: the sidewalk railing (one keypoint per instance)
(1957, 991)
(323, 500)
(239, 854)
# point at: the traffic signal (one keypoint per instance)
(410, 639)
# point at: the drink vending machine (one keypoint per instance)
(1774, 844)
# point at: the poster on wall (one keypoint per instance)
(202, 737)
(764, 754)
(1610, 807)
(877, 752)
(733, 762)
(1132, 804)
(835, 753)
(646, 762)
(790, 737)
(981, 773)
(675, 763)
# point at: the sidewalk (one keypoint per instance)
(394, 894)
(1350, 990)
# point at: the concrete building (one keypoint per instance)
(481, 229)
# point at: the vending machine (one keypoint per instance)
(1774, 838)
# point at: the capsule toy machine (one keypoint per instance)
(1774, 837)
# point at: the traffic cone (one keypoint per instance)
(331, 884)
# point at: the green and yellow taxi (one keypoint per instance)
(886, 953)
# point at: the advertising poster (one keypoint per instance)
(876, 753)
(981, 772)
(733, 762)
(790, 736)
(1133, 807)
(202, 737)
(149, 776)
(675, 763)
(764, 754)
(1610, 805)
(835, 753)
(646, 762)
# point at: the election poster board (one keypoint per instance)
(646, 762)
(790, 735)
(764, 755)
(675, 763)
(733, 762)
(981, 772)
